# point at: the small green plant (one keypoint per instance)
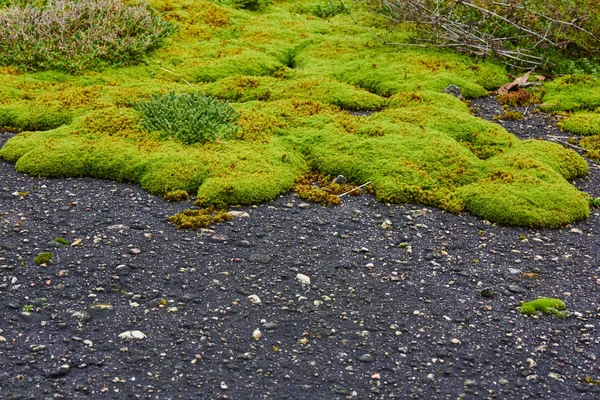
(28, 308)
(196, 219)
(62, 241)
(547, 305)
(595, 202)
(43, 258)
(188, 117)
(76, 35)
(176, 195)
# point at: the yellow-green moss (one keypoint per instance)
(43, 258)
(196, 219)
(546, 305)
(293, 78)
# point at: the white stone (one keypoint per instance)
(238, 214)
(303, 279)
(133, 335)
(254, 298)
(455, 341)
(256, 334)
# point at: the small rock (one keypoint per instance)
(577, 230)
(514, 270)
(238, 214)
(76, 242)
(340, 180)
(37, 347)
(366, 358)
(303, 279)
(487, 292)
(219, 238)
(7, 246)
(137, 335)
(254, 299)
(515, 289)
(454, 90)
(303, 205)
(270, 325)
(224, 386)
(455, 341)
(61, 371)
(260, 258)
(256, 334)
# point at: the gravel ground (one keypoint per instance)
(403, 301)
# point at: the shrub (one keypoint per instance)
(188, 118)
(529, 34)
(74, 35)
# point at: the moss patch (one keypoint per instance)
(43, 258)
(293, 79)
(546, 305)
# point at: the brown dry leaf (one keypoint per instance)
(507, 87)
(540, 78)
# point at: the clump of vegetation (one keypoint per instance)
(546, 305)
(291, 79)
(43, 258)
(514, 98)
(188, 117)
(62, 241)
(530, 34)
(176, 195)
(324, 10)
(76, 35)
(321, 189)
(253, 5)
(510, 115)
(582, 123)
(196, 219)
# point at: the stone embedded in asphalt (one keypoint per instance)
(135, 335)
(259, 258)
(238, 214)
(254, 299)
(269, 326)
(303, 279)
(61, 371)
(366, 358)
(515, 289)
(487, 292)
(219, 238)
(7, 246)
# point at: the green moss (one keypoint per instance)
(176, 195)
(196, 219)
(546, 305)
(293, 78)
(43, 258)
(62, 241)
(582, 123)
(572, 93)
